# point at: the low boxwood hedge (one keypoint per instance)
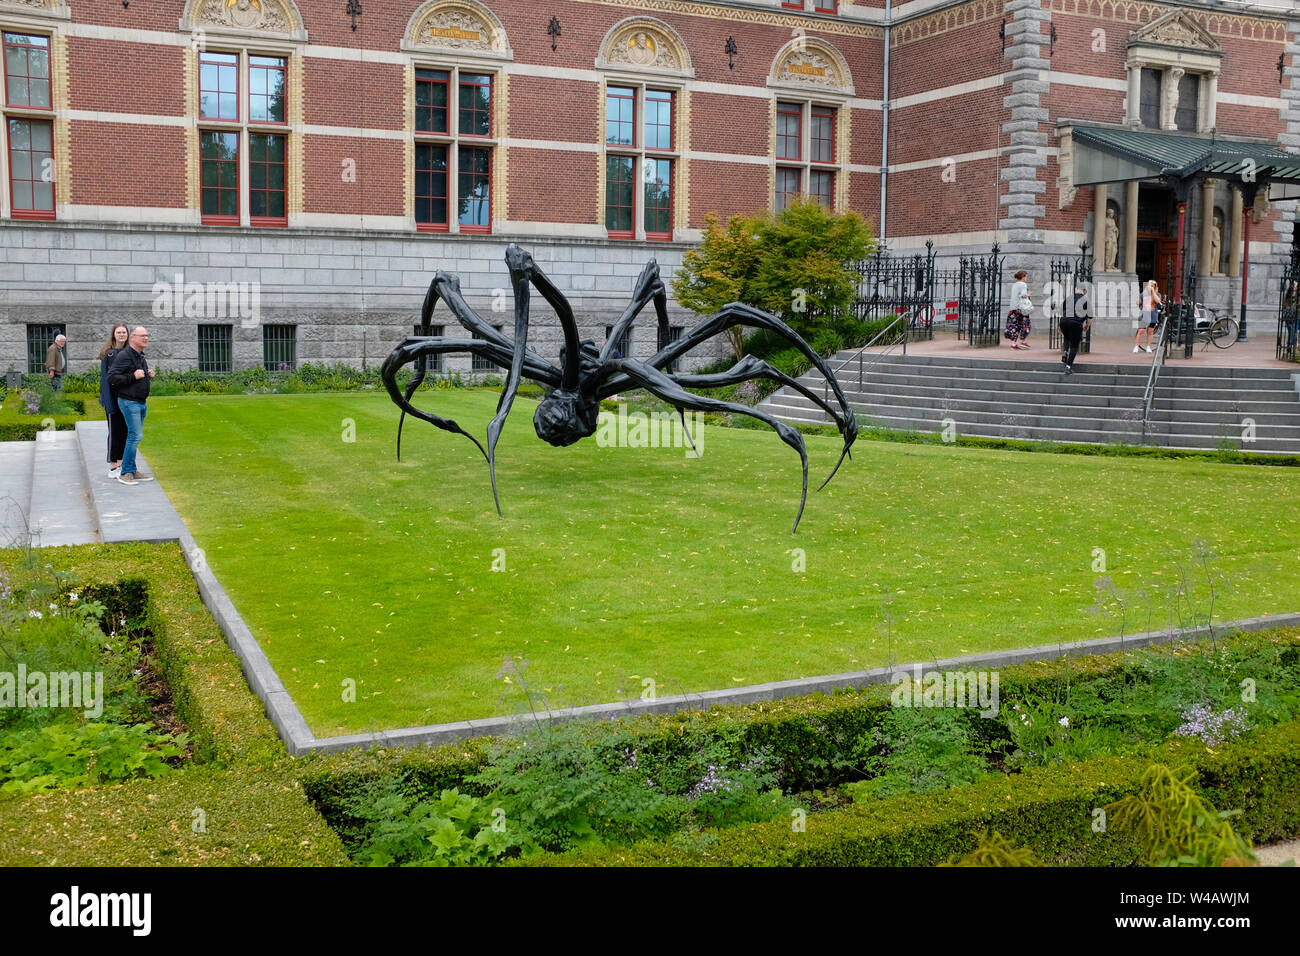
(1050, 811)
(18, 426)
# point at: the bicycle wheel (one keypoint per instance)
(1223, 333)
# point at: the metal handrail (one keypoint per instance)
(1154, 375)
(826, 386)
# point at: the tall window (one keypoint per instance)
(453, 133)
(1189, 88)
(674, 333)
(1149, 103)
(624, 343)
(279, 348)
(214, 348)
(28, 131)
(243, 145)
(640, 156)
(805, 153)
(39, 340)
(824, 6)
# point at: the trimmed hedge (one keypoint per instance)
(241, 777)
(805, 736)
(18, 426)
(1049, 811)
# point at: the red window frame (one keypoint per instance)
(432, 225)
(827, 200)
(659, 236)
(218, 91)
(624, 93)
(216, 219)
(434, 78)
(825, 6)
(480, 228)
(787, 110)
(821, 112)
(49, 71)
(461, 83)
(283, 70)
(31, 212)
(787, 4)
(284, 181)
(631, 217)
(785, 193)
(657, 96)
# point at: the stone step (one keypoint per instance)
(15, 491)
(1172, 366)
(59, 512)
(140, 512)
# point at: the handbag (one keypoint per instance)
(1025, 305)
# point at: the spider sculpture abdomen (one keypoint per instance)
(586, 375)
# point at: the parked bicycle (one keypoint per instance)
(1209, 327)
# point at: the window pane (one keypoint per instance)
(1150, 99)
(266, 80)
(619, 184)
(27, 70)
(219, 173)
(481, 364)
(658, 196)
(1189, 87)
(266, 175)
(788, 117)
(279, 347)
(620, 114)
(219, 86)
(475, 104)
(431, 101)
(39, 339)
(473, 185)
(214, 348)
(431, 184)
(31, 165)
(658, 119)
(822, 187)
(787, 186)
(823, 135)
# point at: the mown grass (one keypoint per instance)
(622, 564)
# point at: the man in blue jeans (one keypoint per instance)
(129, 377)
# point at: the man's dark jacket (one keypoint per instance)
(121, 376)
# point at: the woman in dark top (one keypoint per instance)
(116, 423)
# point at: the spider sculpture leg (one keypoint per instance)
(416, 348)
(661, 385)
(738, 313)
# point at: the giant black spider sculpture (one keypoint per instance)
(586, 375)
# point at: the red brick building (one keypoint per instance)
(332, 155)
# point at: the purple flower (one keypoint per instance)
(1203, 723)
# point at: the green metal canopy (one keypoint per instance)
(1108, 155)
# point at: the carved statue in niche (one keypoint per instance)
(641, 50)
(1216, 244)
(1110, 259)
(1169, 97)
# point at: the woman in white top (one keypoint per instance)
(1150, 310)
(1018, 324)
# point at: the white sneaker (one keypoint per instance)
(114, 472)
(1148, 348)
(1136, 349)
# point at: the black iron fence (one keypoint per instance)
(1288, 312)
(979, 297)
(1181, 338)
(1070, 296)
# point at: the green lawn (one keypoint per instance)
(629, 563)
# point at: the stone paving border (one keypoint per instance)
(160, 523)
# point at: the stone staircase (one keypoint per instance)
(57, 490)
(1194, 407)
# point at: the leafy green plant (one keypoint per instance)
(918, 750)
(994, 849)
(69, 754)
(1175, 826)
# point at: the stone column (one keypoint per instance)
(1099, 228)
(1131, 227)
(1234, 244)
(1207, 268)
(1212, 94)
(1134, 116)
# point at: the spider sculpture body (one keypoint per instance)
(586, 374)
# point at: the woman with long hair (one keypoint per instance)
(1018, 324)
(1150, 306)
(116, 423)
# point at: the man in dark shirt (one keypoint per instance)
(129, 377)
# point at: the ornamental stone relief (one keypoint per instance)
(811, 63)
(1175, 29)
(269, 16)
(643, 43)
(460, 28)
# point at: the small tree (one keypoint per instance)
(797, 265)
(720, 270)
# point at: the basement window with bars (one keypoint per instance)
(214, 348)
(433, 363)
(481, 364)
(624, 344)
(279, 348)
(39, 340)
